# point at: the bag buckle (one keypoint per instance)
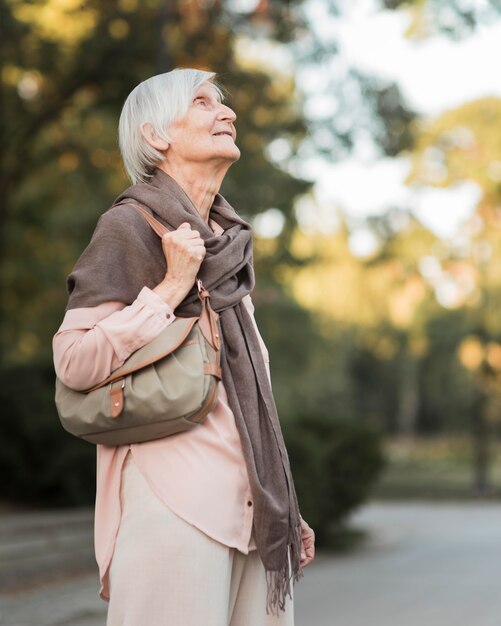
(117, 398)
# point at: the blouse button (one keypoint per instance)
(249, 502)
(168, 316)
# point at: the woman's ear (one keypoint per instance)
(150, 134)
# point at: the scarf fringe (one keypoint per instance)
(280, 582)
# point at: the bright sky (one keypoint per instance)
(434, 75)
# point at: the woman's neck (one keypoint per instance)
(200, 185)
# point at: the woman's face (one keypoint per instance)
(206, 132)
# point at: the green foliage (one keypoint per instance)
(454, 19)
(447, 393)
(335, 464)
(67, 68)
(459, 145)
(66, 73)
(293, 342)
(392, 125)
(40, 463)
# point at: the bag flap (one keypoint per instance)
(167, 341)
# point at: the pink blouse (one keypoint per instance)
(200, 474)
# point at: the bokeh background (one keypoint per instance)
(370, 134)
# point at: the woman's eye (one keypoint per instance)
(200, 101)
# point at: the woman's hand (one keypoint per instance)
(307, 544)
(184, 251)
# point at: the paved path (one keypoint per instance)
(37, 546)
(426, 565)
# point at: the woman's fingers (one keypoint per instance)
(307, 544)
(184, 251)
(182, 238)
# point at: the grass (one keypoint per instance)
(345, 539)
(435, 469)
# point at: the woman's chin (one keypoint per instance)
(230, 155)
(236, 154)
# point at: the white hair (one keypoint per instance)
(159, 100)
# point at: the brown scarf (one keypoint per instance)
(123, 256)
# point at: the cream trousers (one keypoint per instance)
(166, 572)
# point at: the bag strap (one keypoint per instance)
(159, 228)
(208, 318)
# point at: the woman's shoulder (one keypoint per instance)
(122, 215)
(123, 222)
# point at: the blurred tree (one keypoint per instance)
(455, 19)
(460, 146)
(66, 71)
(373, 305)
(456, 148)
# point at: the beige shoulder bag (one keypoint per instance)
(166, 387)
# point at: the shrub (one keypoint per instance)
(40, 463)
(335, 463)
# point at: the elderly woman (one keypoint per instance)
(202, 527)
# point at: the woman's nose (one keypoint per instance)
(227, 114)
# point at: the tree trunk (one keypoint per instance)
(408, 401)
(481, 449)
